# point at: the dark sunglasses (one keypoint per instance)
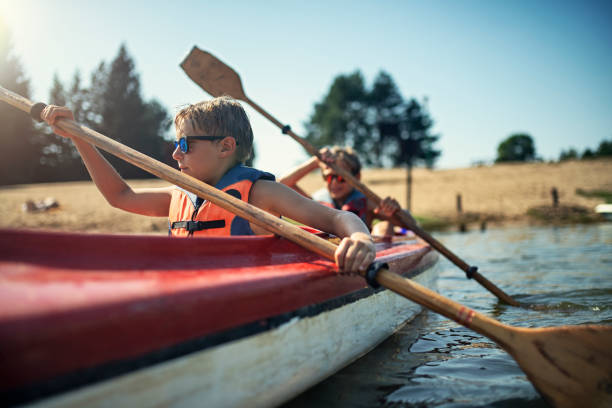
(183, 142)
(330, 177)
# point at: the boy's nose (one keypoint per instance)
(177, 153)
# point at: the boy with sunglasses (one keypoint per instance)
(340, 194)
(214, 138)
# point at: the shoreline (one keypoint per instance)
(497, 195)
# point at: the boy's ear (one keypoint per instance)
(228, 146)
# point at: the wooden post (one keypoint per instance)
(555, 196)
(409, 187)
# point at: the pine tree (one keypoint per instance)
(124, 116)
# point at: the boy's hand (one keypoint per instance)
(52, 113)
(387, 207)
(355, 253)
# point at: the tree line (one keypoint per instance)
(603, 150)
(521, 148)
(112, 104)
(382, 127)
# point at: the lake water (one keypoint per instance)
(434, 362)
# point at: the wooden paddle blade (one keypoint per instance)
(214, 76)
(570, 366)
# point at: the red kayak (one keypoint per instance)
(124, 320)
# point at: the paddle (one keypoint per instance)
(217, 78)
(568, 365)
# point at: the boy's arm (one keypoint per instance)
(152, 202)
(355, 252)
(290, 179)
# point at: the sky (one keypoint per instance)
(488, 69)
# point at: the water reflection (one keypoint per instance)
(564, 273)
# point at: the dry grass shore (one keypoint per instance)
(498, 194)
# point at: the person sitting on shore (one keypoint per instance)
(340, 194)
(213, 139)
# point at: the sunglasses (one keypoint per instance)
(331, 177)
(183, 142)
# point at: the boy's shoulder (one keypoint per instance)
(240, 173)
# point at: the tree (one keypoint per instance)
(19, 156)
(587, 154)
(569, 154)
(117, 110)
(517, 147)
(341, 117)
(604, 149)
(59, 157)
(378, 124)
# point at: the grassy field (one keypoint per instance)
(498, 194)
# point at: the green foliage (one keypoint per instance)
(603, 150)
(587, 154)
(569, 154)
(377, 123)
(122, 114)
(605, 194)
(59, 158)
(518, 147)
(111, 105)
(563, 214)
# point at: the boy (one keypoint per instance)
(341, 195)
(213, 139)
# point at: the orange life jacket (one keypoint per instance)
(193, 216)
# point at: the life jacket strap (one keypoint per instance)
(198, 225)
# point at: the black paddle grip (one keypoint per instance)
(370, 275)
(36, 109)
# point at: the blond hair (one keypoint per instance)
(348, 157)
(222, 116)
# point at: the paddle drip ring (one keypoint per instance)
(370, 275)
(36, 110)
(286, 129)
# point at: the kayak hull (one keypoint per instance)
(94, 320)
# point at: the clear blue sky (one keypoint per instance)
(488, 68)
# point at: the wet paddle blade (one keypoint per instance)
(570, 366)
(214, 76)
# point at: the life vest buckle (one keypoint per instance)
(192, 226)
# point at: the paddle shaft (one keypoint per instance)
(253, 214)
(249, 212)
(527, 346)
(201, 66)
(161, 170)
(399, 218)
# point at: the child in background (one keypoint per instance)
(213, 139)
(339, 194)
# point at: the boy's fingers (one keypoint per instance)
(359, 256)
(340, 253)
(351, 260)
(367, 260)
